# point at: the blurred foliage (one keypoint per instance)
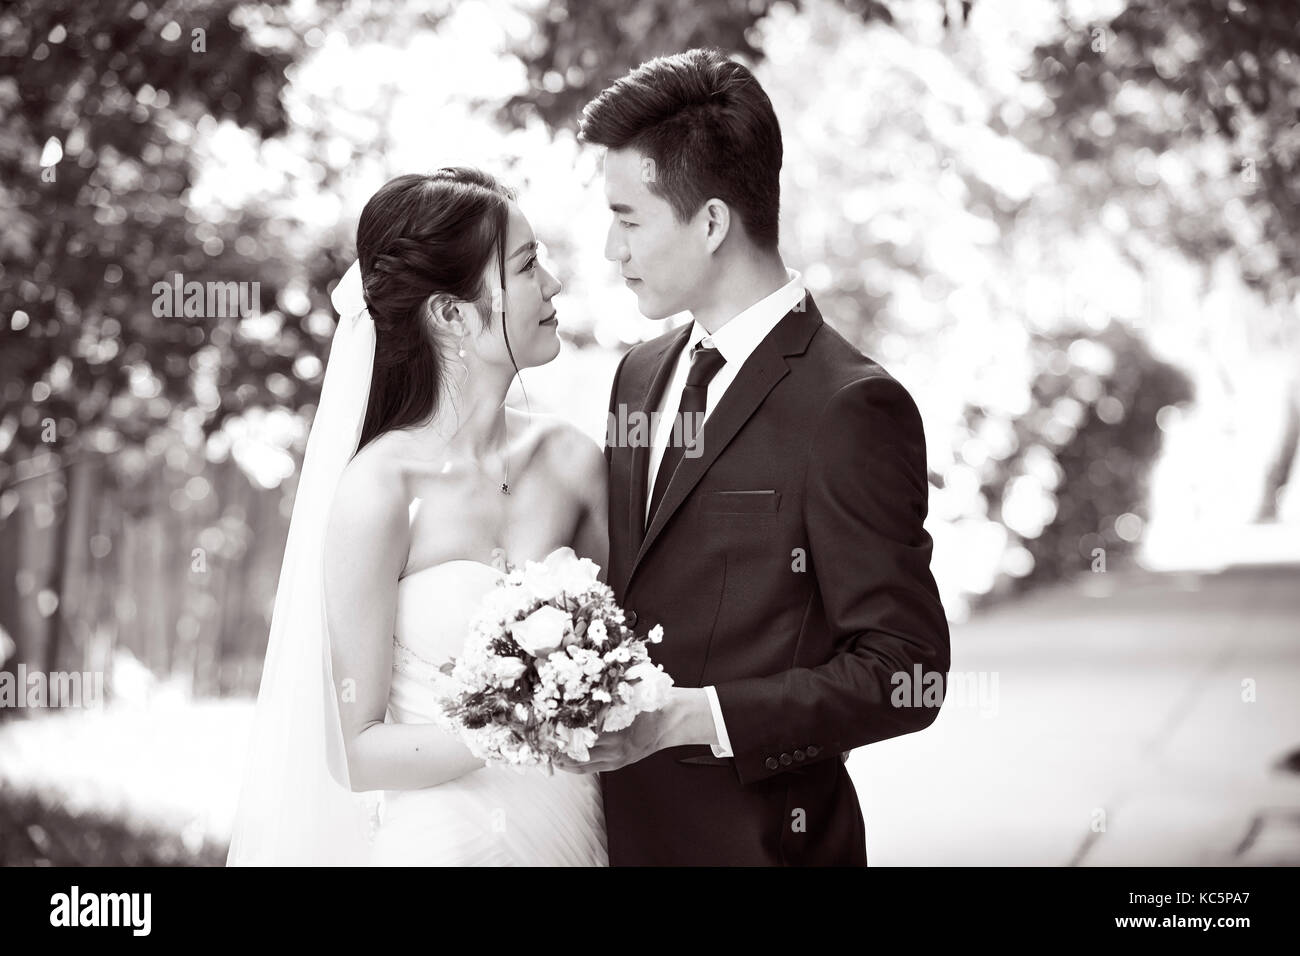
(34, 832)
(581, 46)
(124, 91)
(1133, 99)
(1077, 478)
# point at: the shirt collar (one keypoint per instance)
(741, 335)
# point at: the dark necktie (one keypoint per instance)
(705, 363)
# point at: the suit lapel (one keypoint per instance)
(662, 366)
(757, 377)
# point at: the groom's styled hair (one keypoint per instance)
(709, 129)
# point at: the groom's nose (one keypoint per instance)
(615, 247)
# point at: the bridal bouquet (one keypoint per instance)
(549, 664)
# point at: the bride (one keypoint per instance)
(418, 486)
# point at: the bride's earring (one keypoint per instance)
(460, 352)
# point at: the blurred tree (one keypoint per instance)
(1186, 115)
(580, 47)
(1134, 100)
(1074, 490)
(100, 109)
(99, 105)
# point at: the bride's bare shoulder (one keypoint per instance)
(568, 452)
(370, 501)
(377, 463)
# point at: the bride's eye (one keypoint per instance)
(531, 264)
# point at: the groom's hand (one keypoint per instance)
(619, 748)
(685, 719)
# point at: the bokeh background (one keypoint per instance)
(1069, 227)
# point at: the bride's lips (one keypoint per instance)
(549, 320)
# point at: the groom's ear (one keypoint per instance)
(717, 221)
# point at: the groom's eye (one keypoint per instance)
(625, 223)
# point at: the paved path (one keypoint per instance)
(1118, 704)
(1118, 734)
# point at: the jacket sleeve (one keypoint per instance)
(865, 504)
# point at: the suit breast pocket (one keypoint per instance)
(742, 504)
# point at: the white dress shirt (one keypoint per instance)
(736, 341)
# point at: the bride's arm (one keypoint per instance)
(585, 464)
(365, 549)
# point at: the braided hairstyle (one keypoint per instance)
(420, 236)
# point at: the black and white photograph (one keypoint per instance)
(595, 433)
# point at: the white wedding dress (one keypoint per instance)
(494, 816)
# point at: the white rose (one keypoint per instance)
(649, 687)
(541, 632)
(539, 586)
(571, 573)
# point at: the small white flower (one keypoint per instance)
(575, 741)
(618, 717)
(507, 670)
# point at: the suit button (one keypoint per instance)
(771, 763)
(630, 618)
(799, 755)
(813, 751)
(785, 760)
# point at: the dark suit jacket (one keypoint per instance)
(789, 567)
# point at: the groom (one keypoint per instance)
(783, 551)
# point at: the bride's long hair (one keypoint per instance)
(419, 236)
(422, 235)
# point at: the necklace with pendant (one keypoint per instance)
(505, 457)
(499, 554)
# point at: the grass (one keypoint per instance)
(35, 833)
